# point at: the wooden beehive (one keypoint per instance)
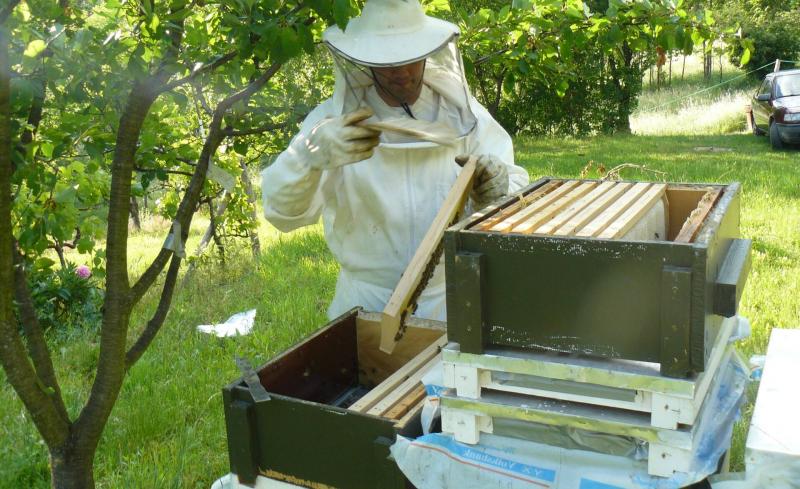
(629, 270)
(336, 405)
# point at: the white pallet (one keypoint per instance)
(670, 450)
(631, 385)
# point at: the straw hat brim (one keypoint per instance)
(392, 49)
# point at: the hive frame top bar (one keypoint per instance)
(549, 196)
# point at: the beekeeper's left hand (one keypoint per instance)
(491, 180)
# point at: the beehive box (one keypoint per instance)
(631, 270)
(325, 426)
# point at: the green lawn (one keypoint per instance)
(167, 429)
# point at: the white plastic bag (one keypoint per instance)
(238, 324)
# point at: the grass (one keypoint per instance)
(167, 429)
(770, 213)
(692, 105)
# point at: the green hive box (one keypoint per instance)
(656, 301)
(304, 434)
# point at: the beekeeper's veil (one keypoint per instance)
(395, 33)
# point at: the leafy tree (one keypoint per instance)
(99, 100)
(773, 28)
(591, 55)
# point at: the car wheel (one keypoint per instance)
(775, 137)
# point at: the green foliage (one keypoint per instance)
(568, 66)
(64, 299)
(772, 30)
(167, 432)
(118, 100)
(66, 114)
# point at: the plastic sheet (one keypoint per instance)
(174, 241)
(431, 409)
(772, 450)
(437, 461)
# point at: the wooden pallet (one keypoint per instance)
(629, 385)
(669, 450)
(466, 419)
(588, 208)
(402, 394)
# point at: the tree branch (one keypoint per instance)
(15, 361)
(199, 71)
(170, 172)
(34, 117)
(203, 102)
(117, 305)
(231, 132)
(250, 89)
(34, 336)
(155, 323)
(192, 195)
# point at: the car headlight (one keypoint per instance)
(792, 117)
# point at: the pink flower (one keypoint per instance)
(83, 272)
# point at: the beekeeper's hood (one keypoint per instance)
(395, 33)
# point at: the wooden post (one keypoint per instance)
(669, 84)
(683, 70)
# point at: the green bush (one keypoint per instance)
(775, 35)
(67, 298)
(600, 97)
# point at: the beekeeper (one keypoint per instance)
(379, 192)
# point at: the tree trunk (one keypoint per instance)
(60, 252)
(621, 112)
(707, 63)
(255, 244)
(683, 70)
(69, 470)
(669, 84)
(210, 230)
(212, 226)
(659, 77)
(137, 220)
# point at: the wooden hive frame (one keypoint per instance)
(600, 209)
(401, 395)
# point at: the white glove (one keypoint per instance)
(491, 180)
(337, 141)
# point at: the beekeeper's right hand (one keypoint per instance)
(337, 141)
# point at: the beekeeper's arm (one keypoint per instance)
(291, 185)
(496, 175)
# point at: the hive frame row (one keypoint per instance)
(592, 209)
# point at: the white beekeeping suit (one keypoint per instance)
(377, 202)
